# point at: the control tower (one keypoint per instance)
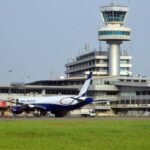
(114, 33)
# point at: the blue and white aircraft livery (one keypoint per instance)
(58, 105)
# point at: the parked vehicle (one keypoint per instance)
(88, 113)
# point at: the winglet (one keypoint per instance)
(85, 85)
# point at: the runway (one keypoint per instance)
(75, 118)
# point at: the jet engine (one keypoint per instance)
(17, 109)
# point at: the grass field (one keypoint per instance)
(75, 134)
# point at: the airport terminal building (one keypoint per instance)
(125, 95)
(98, 62)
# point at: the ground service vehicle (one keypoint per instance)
(88, 113)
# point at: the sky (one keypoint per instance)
(38, 37)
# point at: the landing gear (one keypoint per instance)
(38, 113)
(59, 115)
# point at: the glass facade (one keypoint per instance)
(114, 16)
(123, 69)
(114, 32)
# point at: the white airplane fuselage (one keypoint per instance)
(55, 104)
(66, 101)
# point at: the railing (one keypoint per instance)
(131, 106)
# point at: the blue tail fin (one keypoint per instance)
(85, 86)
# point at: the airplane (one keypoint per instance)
(58, 105)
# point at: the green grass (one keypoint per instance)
(74, 134)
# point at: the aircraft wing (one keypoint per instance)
(102, 100)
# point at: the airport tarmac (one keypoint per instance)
(75, 118)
